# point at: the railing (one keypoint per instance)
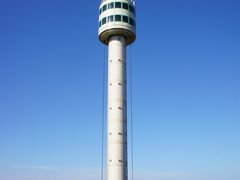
(132, 1)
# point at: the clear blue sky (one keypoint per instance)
(186, 90)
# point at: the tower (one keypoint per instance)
(117, 29)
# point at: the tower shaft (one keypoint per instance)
(117, 107)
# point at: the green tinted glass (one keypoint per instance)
(118, 18)
(118, 5)
(125, 6)
(104, 20)
(125, 19)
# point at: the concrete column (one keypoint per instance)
(117, 110)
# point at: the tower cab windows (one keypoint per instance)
(110, 18)
(118, 18)
(111, 5)
(104, 20)
(131, 21)
(124, 15)
(118, 5)
(104, 8)
(123, 5)
(125, 19)
(131, 9)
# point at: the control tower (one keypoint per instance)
(117, 29)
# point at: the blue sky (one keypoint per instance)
(186, 90)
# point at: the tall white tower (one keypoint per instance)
(117, 29)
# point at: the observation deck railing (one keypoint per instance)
(132, 1)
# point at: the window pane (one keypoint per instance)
(125, 6)
(104, 8)
(100, 11)
(104, 21)
(125, 19)
(110, 5)
(100, 23)
(118, 5)
(131, 9)
(110, 19)
(118, 18)
(131, 21)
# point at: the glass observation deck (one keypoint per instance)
(117, 17)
